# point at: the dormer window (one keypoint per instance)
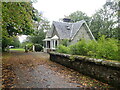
(68, 28)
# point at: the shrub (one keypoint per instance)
(64, 42)
(38, 47)
(62, 49)
(72, 49)
(28, 47)
(106, 48)
(91, 48)
(79, 48)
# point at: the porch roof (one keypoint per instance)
(55, 37)
(47, 39)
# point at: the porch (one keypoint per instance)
(50, 44)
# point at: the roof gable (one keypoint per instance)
(67, 30)
(75, 28)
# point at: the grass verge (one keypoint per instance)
(17, 49)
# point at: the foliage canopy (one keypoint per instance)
(17, 19)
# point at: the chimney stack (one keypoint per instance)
(66, 20)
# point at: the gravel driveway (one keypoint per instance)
(35, 70)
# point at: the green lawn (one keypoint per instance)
(17, 49)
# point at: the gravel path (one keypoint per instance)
(35, 70)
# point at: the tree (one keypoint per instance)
(37, 39)
(15, 42)
(17, 18)
(78, 16)
(41, 22)
(41, 25)
(104, 21)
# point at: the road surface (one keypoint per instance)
(35, 70)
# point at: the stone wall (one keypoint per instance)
(102, 70)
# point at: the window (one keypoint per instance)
(68, 28)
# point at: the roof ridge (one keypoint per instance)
(62, 22)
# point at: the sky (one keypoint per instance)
(53, 10)
(22, 38)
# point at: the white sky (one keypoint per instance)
(53, 10)
(22, 38)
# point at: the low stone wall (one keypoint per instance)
(102, 70)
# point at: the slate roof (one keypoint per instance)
(76, 27)
(65, 30)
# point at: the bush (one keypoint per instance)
(79, 48)
(64, 42)
(72, 49)
(106, 48)
(62, 49)
(28, 47)
(38, 47)
(91, 49)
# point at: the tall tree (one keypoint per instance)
(41, 24)
(104, 21)
(79, 15)
(17, 18)
(36, 39)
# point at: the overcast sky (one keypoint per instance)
(53, 10)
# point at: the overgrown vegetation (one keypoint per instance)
(104, 48)
(63, 49)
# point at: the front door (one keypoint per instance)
(48, 44)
